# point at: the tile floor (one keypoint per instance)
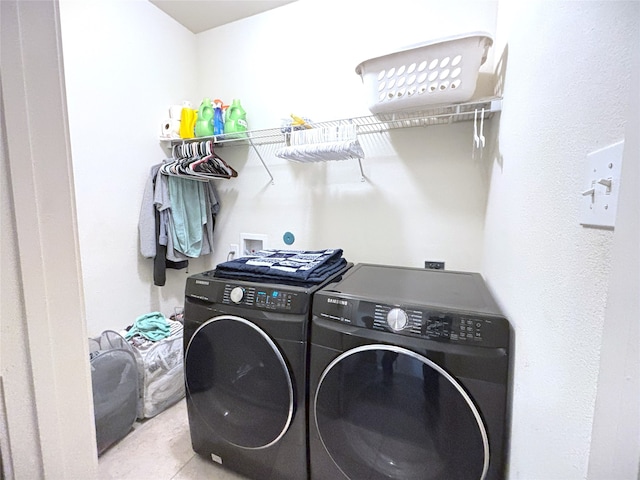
(160, 449)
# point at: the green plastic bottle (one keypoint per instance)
(235, 120)
(204, 124)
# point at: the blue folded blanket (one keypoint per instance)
(310, 281)
(295, 266)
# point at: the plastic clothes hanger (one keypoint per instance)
(213, 165)
(197, 161)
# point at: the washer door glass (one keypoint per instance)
(238, 382)
(385, 412)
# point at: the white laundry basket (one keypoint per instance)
(432, 73)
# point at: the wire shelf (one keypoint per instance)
(378, 123)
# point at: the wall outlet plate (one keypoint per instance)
(433, 265)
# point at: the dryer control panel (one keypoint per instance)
(424, 322)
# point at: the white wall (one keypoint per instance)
(302, 57)
(423, 198)
(566, 89)
(615, 441)
(125, 63)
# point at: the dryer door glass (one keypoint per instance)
(238, 382)
(385, 412)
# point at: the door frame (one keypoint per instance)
(47, 397)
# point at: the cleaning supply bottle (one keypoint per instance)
(218, 118)
(204, 126)
(187, 121)
(236, 120)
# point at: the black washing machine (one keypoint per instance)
(245, 373)
(409, 377)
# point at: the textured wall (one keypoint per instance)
(615, 441)
(566, 88)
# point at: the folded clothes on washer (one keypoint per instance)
(293, 267)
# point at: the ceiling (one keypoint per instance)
(201, 15)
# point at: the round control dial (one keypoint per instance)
(237, 294)
(397, 319)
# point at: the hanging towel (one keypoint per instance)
(152, 326)
(188, 215)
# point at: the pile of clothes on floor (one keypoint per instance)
(149, 328)
(291, 267)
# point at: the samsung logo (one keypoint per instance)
(202, 282)
(337, 301)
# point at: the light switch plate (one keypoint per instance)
(602, 186)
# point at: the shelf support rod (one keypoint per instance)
(361, 170)
(261, 159)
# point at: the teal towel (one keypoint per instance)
(152, 326)
(189, 215)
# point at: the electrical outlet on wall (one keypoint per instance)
(434, 265)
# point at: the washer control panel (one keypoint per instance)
(208, 290)
(423, 322)
(258, 297)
